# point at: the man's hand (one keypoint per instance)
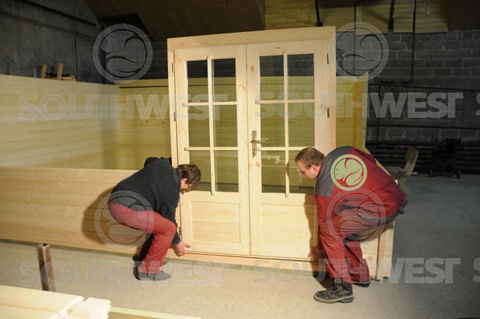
(179, 248)
(316, 254)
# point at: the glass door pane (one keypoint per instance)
(212, 121)
(273, 172)
(272, 124)
(285, 105)
(226, 168)
(271, 77)
(197, 81)
(202, 160)
(224, 84)
(300, 76)
(225, 125)
(198, 125)
(300, 125)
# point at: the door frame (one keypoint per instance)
(318, 35)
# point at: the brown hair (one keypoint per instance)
(191, 172)
(310, 156)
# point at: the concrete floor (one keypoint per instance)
(436, 271)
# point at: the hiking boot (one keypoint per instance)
(339, 291)
(364, 284)
(156, 276)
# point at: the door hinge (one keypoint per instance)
(328, 58)
(180, 230)
(174, 116)
(328, 112)
(173, 67)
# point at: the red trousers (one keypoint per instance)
(154, 225)
(339, 238)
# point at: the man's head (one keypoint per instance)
(309, 162)
(190, 176)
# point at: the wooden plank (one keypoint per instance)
(90, 308)
(288, 14)
(385, 252)
(37, 299)
(124, 313)
(14, 312)
(252, 37)
(108, 177)
(143, 83)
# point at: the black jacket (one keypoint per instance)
(155, 187)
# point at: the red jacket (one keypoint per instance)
(351, 179)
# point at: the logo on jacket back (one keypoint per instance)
(348, 172)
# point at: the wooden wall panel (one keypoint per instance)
(432, 16)
(53, 123)
(352, 111)
(62, 206)
(144, 128)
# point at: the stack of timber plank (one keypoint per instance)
(16, 302)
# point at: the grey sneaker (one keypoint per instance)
(339, 291)
(156, 276)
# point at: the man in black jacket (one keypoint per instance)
(147, 201)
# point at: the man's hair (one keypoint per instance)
(191, 172)
(310, 156)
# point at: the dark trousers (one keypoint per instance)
(153, 224)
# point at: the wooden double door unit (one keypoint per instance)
(241, 107)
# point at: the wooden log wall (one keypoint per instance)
(352, 99)
(144, 122)
(54, 123)
(432, 16)
(62, 206)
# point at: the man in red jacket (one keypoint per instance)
(355, 199)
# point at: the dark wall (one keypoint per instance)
(440, 98)
(33, 33)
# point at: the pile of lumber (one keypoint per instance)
(16, 302)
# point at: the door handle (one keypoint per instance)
(255, 143)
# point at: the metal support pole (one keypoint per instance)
(391, 20)
(46, 269)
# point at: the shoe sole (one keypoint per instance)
(342, 299)
(362, 284)
(151, 278)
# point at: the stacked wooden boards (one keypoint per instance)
(16, 302)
